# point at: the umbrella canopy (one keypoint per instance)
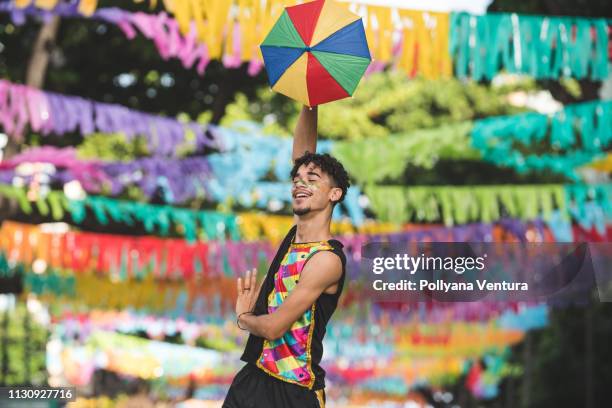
(316, 52)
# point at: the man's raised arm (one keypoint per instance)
(305, 138)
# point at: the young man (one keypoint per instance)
(288, 314)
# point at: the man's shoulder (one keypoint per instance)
(326, 260)
(338, 249)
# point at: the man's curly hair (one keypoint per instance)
(327, 164)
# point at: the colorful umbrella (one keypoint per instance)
(316, 52)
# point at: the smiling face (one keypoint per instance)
(313, 190)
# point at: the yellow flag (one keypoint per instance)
(88, 7)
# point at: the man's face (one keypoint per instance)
(313, 190)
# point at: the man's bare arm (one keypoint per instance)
(322, 271)
(305, 138)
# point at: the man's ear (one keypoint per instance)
(335, 194)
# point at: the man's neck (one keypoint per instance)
(313, 228)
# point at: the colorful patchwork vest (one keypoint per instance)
(296, 355)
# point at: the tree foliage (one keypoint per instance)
(568, 363)
(385, 103)
(24, 346)
(95, 60)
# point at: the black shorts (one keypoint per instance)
(253, 388)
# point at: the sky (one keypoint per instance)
(472, 6)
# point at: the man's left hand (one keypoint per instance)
(247, 292)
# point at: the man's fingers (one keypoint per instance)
(247, 280)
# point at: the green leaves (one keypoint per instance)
(387, 158)
(456, 205)
(383, 104)
(112, 147)
(25, 348)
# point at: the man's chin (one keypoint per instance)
(301, 211)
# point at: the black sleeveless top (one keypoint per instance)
(294, 357)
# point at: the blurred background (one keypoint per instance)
(145, 163)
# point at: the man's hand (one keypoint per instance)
(247, 292)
